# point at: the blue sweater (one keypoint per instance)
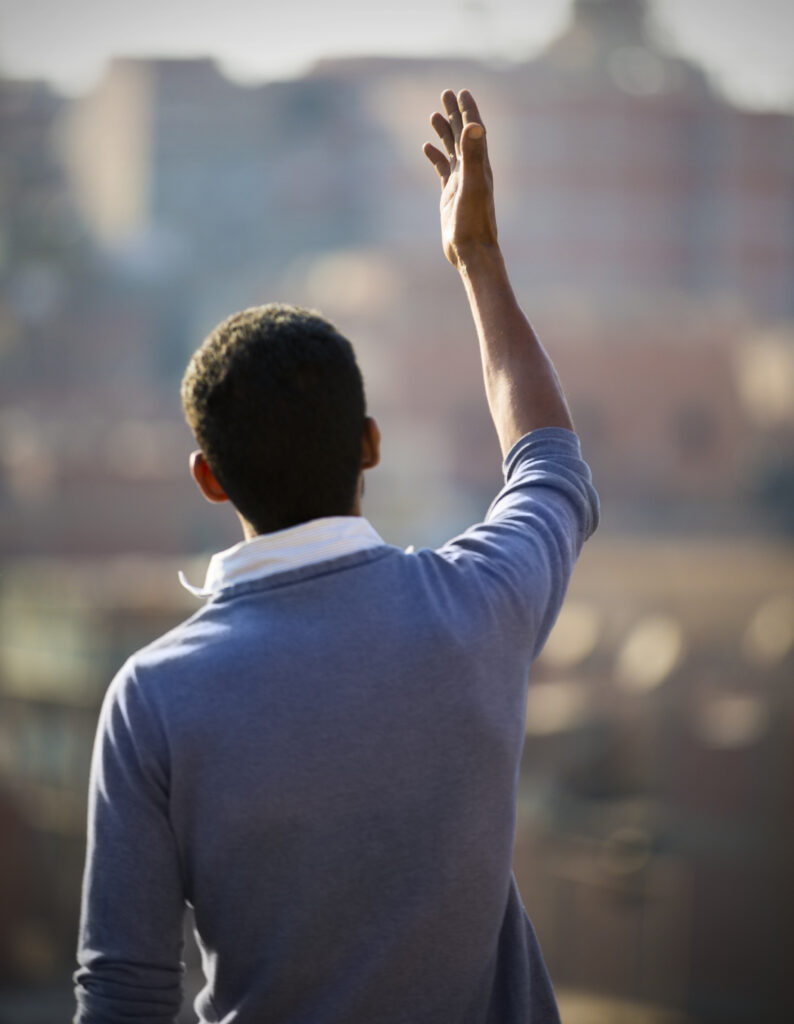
(323, 764)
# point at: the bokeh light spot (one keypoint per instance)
(727, 721)
(770, 633)
(650, 653)
(574, 636)
(556, 707)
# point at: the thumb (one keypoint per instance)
(472, 144)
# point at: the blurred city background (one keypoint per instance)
(648, 220)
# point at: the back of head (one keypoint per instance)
(276, 400)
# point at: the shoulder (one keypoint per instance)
(513, 567)
(183, 641)
(145, 678)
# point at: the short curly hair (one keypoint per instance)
(275, 398)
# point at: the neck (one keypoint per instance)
(250, 531)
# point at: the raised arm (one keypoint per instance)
(521, 385)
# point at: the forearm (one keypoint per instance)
(521, 384)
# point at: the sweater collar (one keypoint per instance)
(316, 541)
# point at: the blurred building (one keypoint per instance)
(649, 225)
(177, 169)
(637, 178)
(65, 629)
(656, 847)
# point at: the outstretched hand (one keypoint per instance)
(468, 219)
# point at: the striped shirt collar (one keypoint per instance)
(316, 541)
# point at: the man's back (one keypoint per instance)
(323, 763)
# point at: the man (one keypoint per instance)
(323, 760)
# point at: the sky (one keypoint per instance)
(744, 44)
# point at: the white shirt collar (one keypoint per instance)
(268, 553)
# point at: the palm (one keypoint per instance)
(467, 207)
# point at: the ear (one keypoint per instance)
(370, 444)
(205, 478)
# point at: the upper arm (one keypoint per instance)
(523, 554)
(130, 938)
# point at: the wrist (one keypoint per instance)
(476, 257)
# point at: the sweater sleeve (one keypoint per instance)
(523, 553)
(130, 940)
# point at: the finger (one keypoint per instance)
(438, 160)
(468, 108)
(471, 115)
(450, 101)
(444, 132)
(472, 147)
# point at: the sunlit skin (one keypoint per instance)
(520, 382)
(468, 217)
